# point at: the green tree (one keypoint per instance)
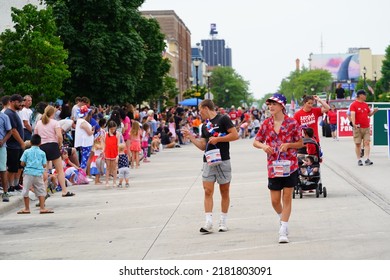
(301, 82)
(169, 90)
(32, 55)
(150, 86)
(229, 88)
(106, 52)
(385, 80)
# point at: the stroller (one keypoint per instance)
(309, 178)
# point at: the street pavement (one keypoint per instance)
(159, 216)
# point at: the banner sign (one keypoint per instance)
(343, 127)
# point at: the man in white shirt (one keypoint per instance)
(25, 116)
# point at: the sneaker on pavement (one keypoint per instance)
(368, 162)
(207, 228)
(360, 163)
(5, 197)
(283, 238)
(283, 232)
(222, 227)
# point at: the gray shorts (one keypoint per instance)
(221, 173)
(124, 173)
(36, 182)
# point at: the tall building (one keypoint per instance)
(215, 51)
(178, 51)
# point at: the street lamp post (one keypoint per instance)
(364, 76)
(208, 95)
(227, 97)
(197, 62)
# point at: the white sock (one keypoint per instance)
(223, 218)
(284, 226)
(209, 217)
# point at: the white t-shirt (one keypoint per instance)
(75, 108)
(66, 124)
(81, 137)
(25, 115)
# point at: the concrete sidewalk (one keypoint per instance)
(159, 216)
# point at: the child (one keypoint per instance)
(145, 140)
(111, 151)
(279, 136)
(70, 169)
(172, 128)
(135, 144)
(308, 133)
(243, 129)
(97, 162)
(34, 162)
(307, 169)
(123, 165)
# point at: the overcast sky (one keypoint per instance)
(267, 37)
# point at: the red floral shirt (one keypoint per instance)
(290, 132)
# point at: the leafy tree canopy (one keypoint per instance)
(150, 86)
(32, 56)
(106, 52)
(304, 82)
(229, 88)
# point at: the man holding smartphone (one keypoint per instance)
(216, 134)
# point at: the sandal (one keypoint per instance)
(47, 211)
(68, 194)
(23, 212)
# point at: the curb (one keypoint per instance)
(14, 202)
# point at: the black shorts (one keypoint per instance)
(13, 160)
(52, 150)
(278, 183)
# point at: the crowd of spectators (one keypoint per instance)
(79, 138)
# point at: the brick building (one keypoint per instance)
(178, 40)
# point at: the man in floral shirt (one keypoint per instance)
(279, 136)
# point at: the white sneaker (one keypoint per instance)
(207, 228)
(283, 232)
(283, 238)
(222, 227)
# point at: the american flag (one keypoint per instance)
(370, 89)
